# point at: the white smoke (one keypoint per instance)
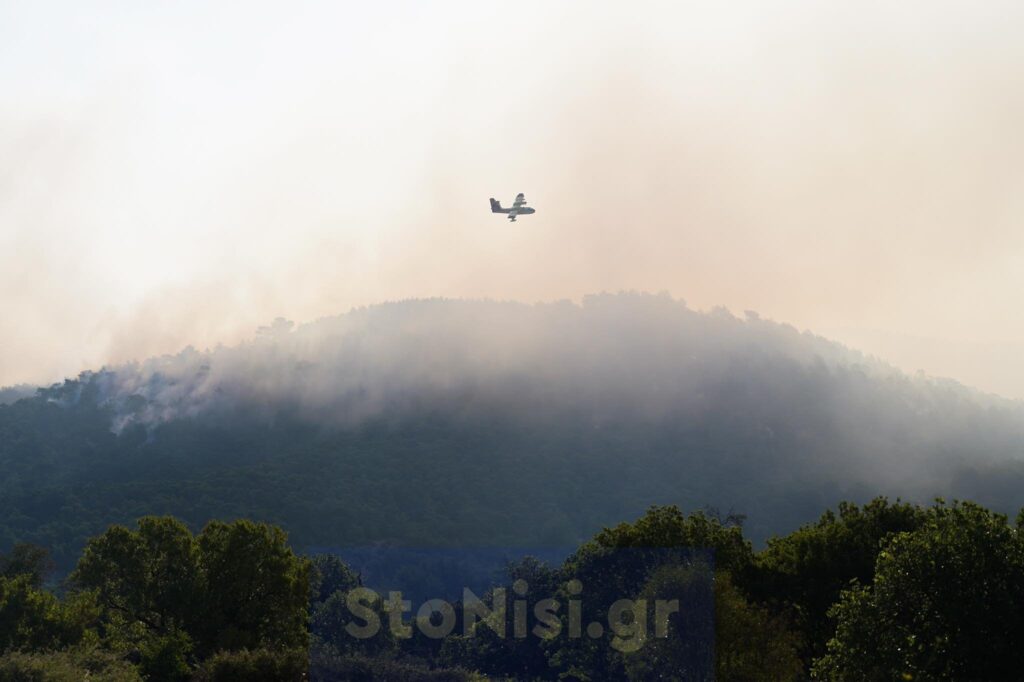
(627, 358)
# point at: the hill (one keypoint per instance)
(484, 423)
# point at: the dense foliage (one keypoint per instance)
(882, 591)
(946, 603)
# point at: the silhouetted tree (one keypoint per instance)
(946, 603)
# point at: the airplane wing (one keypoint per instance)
(520, 201)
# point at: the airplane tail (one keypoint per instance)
(496, 206)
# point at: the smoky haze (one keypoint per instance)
(178, 175)
(787, 402)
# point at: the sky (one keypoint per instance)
(177, 174)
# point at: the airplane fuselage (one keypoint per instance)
(522, 210)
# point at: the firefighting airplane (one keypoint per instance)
(519, 207)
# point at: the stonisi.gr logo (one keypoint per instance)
(630, 622)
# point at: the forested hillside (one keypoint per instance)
(476, 423)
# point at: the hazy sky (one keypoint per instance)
(181, 173)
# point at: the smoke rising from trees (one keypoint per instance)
(795, 400)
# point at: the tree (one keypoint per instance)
(32, 619)
(749, 642)
(172, 595)
(803, 573)
(329, 574)
(255, 589)
(331, 584)
(946, 603)
(668, 528)
(618, 562)
(147, 577)
(507, 655)
(27, 559)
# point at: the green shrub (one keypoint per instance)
(165, 657)
(327, 668)
(256, 665)
(66, 666)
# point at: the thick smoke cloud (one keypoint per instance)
(789, 403)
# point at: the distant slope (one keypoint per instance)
(466, 422)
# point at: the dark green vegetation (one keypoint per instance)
(471, 423)
(880, 592)
(159, 603)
